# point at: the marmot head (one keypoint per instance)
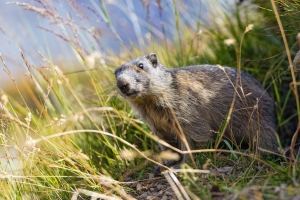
(138, 78)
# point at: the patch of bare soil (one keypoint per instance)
(154, 188)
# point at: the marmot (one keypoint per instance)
(196, 101)
(296, 63)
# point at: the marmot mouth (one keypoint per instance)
(129, 94)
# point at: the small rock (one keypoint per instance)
(164, 197)
(159, 186)
(152, 189)
(151, 175)
(154, 194)
(138, 187)
(142, 196)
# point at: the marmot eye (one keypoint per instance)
(141, 65)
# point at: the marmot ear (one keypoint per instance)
(153, 59)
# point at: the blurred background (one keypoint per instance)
(100, 26)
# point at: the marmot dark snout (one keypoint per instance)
(199, 97)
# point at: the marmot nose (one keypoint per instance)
(123, 85)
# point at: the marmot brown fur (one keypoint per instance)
(198, 98)
(296, 63)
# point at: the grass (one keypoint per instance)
(66, 133)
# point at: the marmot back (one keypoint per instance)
(199, 97)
